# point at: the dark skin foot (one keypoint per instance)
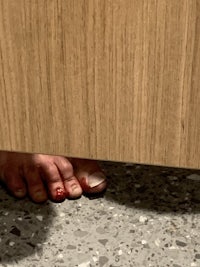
(45, 177)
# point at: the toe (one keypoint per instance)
(14, 183)
(53, 182)
(35, 185)
(71, 183)
(90, 176)
(72, 186)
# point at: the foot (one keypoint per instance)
(55, 177)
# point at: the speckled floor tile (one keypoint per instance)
(149, 216)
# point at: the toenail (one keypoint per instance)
(74, 187)
(19, 192)
(39, 195)
(96, 179)
(60, 194)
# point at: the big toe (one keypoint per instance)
(90, 176)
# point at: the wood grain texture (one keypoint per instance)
(102, 79)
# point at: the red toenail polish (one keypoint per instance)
(60, 194)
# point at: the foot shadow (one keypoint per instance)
(161, 189)
(23, 227)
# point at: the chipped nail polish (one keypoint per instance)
(60, 194)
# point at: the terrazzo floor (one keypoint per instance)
(149, 216)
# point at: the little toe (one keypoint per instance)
(36, 188)
(14, 183)
(71, 183)
(90, 176)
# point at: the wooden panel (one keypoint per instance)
(114, 80)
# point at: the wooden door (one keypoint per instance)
(102, 79)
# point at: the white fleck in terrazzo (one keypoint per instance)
(155, 223)
(194, 177)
